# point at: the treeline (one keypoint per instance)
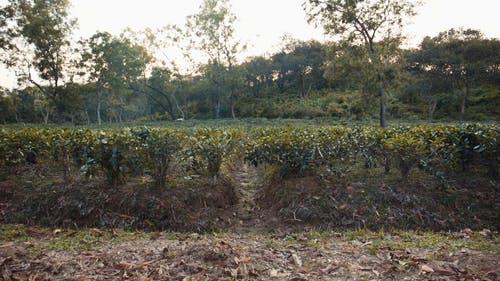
(108, 78)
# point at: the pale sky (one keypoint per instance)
(261, 23)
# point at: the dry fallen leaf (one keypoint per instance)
(359, 267)
(366, 244)
(195, 277)
(466, 233)
(233, 272)
(96, 231)
(244, 259)
(485, 232)
(124, 264)
(155, 235)
(7, 245)
(4, 260)
(426, 268)
(34, 277)
(443, 271)
(296, 260)
(34, 231)
(329, 269)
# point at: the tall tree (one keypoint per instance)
(114, 65)
(365, 22)
(36, 37)
(299, 65)
(162, 87)
(7, 106)
(165, 83)
(93, 53)
(258, 75)
(462, 57)
(212, 31)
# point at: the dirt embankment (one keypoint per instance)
(246, 200)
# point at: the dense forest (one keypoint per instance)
(366, 74)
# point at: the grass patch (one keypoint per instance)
(44, 239)
(396, 239)
(400, 240)
(13, 232)
(41, 240)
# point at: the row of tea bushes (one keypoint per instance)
(437, 149)
(118, 153)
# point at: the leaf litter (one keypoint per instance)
(258, 256)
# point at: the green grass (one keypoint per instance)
(64, 239)
(44, 239)
(407, 239)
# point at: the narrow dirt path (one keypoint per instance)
(248, 216)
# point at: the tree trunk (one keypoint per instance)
(45, 115)
(302, 87)
(60, 117)
(381, 81)
(233, 113)
(231, 101)
(432, 108)
(383, 122)
(120, 110)
(464, 101)
(178, 107)
(217, 109)
(99, 104)
(169, 108)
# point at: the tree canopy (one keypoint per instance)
(461, 57)
(363, 71)
(36, 37)
(365, 22)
